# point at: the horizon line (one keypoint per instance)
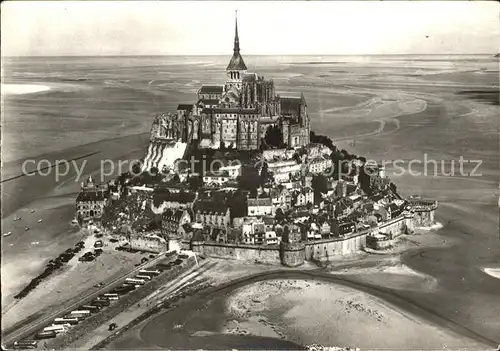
(283, 54)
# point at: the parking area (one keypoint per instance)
(98, 304)
(80, 269)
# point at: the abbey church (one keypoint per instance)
(237, 114)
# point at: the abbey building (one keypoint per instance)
(237, 114)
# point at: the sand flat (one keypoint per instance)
(316, 312)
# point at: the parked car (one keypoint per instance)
(112, 326)
(98, 243)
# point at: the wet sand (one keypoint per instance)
(53, 201)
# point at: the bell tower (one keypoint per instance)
(236, 67)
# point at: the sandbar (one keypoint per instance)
(308, 312)
(20, 89)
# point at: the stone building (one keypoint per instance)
(236, 114)
(172, 220)
(260, 206)
(91, 200)
(212, 215)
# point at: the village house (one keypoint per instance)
(277, 154)
(260, 206)
(283, 169)
(343, 208)
(216, 179)
(393, 211)
(269, 223)
(300, 215)
(341, 190)
(325, 229)
(303, 197)
(91, 200)
(185, 232)
(164, 199)
(253, 231)
(346, 228)
(281, 198)
(319, 164)
(213, 215)
(172, 220)
(271, 238)
(313, 232)
(232, 169)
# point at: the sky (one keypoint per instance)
(63, 28)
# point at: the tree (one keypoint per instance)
(286, 235)
(273, 136)
(264, 174)
(238, 204)
(319, 183)
(279, 215)
(194, 183)
(136, 168)
(323, 140)
(249, 180)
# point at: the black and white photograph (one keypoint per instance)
(250, 175)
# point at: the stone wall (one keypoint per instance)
(293, 255)
(321, 250)
(423, 218)
(396, 226)
(378, 242)
(257, 253)
(148, 243)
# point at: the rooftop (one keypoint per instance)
(185, 107)
(211, 89)
(236, 63)
(261, 201)
(209, 101)
(211, 207)
(90, 196)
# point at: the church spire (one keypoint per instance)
(236, 48)
(236, 63)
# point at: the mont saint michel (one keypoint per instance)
(181, 176)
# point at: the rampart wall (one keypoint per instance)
(294, 254)
(262, 254)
